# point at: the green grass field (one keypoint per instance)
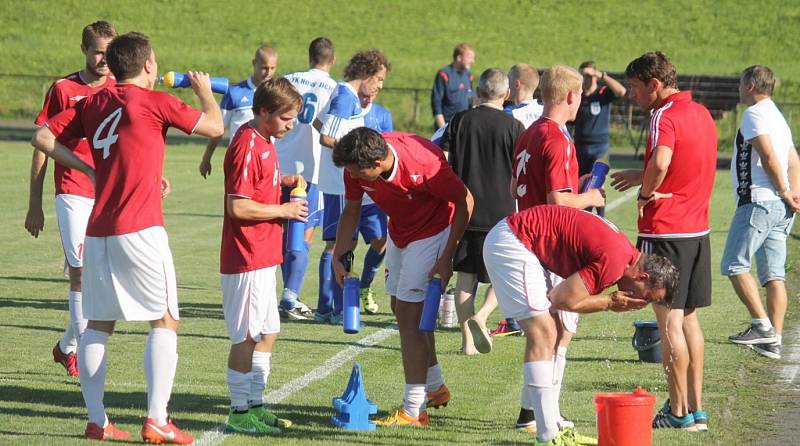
(39, 405)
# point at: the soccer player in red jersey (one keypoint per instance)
(74, 190)
(528, 251)
(428, 208)
(680, 164)
(251, 250)
(129, 273)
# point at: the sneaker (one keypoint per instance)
(401, 418)
(323, 318)
(368, 301)
(700, 420)
(268, 418)
(771, 350)
(337, 319)
(526, 420)
(110, 432)
(68, 360)
(248, 423)
(294, 313)
(168, 433)
(754, 335)
(503, 329)
(563, 438)
(304, 310)
(438, 398)
(480, 336)
(667, 420)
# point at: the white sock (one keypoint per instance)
(544, 399)
(260, 374)
(160, 362)
(76, 314)
(526, 396)
(92, 365)
(435, 380)
(239, 389)
(560, 365)
(414, 399)
(762, 323)
(69, 340)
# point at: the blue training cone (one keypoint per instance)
(353, 407)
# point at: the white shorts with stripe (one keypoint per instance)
(129, 277)
(520, 281)
(72, 215)
(250, 304)
(408, 267)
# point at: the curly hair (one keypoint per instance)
(365, 64)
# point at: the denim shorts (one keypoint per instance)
(758, 229)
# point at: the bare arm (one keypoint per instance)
(210, 124)
(626, 179)
(654, 174)
(614, 85)
(348, 222)
(247, 209)
(572, 295)
(438, 120)
(463, 212)
(327, 141)
(773, 168)
(590, 198)
(205, 162)
(34, 220)
(45, 142)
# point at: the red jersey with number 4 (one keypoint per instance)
(251, 171)
(419, 194)
(544, 161)
(569, 241)
(126, 126)
(687, 128)
(64, 94)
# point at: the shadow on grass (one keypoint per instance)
(34, 302)
(36, 279)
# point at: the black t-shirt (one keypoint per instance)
(591, 123)
(481, 145)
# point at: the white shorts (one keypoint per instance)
(520, 281)
(129, 277)
(250, 304)
(72, 215)
(408, 268)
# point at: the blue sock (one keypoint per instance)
(338, 295)
(372, 263)
(294, 266)
(512, 324)
(326, 283)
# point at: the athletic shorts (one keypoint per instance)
(129, 277)
(469, 255)
(72, 214)
(407, 268)
(692, 257)
(520, 281)
(250, 304)
(314, 198)
(372, 226)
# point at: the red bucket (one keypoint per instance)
(625, 419)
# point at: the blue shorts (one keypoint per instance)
(372, 226)
(758, 230)
(314, 201)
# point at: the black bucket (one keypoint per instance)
(646, 341)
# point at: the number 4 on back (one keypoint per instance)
(111, 137)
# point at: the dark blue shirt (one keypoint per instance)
(452, 92)
(594, 117)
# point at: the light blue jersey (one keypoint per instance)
(344, 114)
(237, 105)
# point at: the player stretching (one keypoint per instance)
(74, 190)
(251, 250)
(129, 274)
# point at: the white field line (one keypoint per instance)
(216, 436)
(791, 360)
(621, 199)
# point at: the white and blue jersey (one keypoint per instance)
(379, 119)
(237, 105)
(344, 114)
(525, 112)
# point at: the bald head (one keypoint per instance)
(523, 80)
(265, 64)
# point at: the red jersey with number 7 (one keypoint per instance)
(64, 94)
(126, 126)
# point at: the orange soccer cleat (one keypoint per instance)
(168, 433)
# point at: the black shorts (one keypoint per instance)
(692, 257)
(469, 255)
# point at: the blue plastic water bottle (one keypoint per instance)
(430, 309)
(599, 172)
(296, 228)
(176, 79)
(351, 313)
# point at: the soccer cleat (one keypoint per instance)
(700, 420)
(168, 433)
(438, 398)
(337, 319)
(504, 329)
(110, 432)
(401, 418)
(248, 423)
(754, 335)
(769, 350)
(526, 420)
(291, 313)
(68, 360)
(323, 318)
(268, 418)
(368, 301)
(664, 420)
(564, 437)
(304, 310)
(480, 336)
